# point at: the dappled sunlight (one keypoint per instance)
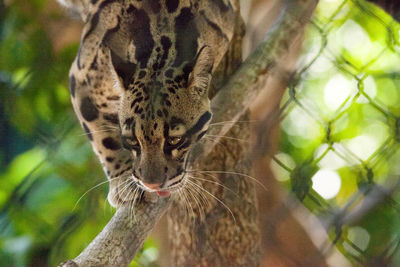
(337, 90)
(327, 183)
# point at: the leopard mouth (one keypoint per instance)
(161, 192)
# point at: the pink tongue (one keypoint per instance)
(163, 193)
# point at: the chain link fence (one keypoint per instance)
(340, 118)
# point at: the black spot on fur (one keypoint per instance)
(113, 97)
(185, 145)
(72, 85)
(111, 143)
(214, 26)
(167, 149)
(175, 121)
(117, 166)
(138, 110)
(165, 112)
(186, 33)
(113, 118)
(123, 68)
(178, 78)
(172, 5)
(142, 73)
(94, 65)
(155, 5)
(137, 100)
(200, 123)
(88, 109)
(141, 35)
(87, 131)
(166, 45)
(129, 122)
(169, 73)
(110, 159)
(187, 70)
(201, 135)
(221, 5)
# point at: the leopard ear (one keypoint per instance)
(122, 69)
(200, 77)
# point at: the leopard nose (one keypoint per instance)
(152, 186)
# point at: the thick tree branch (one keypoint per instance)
(123, 236)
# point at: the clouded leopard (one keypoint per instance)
(139, 84)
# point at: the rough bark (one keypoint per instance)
(123, 236)
(213, 238)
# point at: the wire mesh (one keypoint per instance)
(339, 149)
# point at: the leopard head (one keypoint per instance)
(163, 113)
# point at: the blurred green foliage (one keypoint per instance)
(340, 128)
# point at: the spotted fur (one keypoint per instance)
(139, 83)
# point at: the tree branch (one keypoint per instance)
(233, 100)
(123, 236)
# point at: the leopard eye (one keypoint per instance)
(173, 141)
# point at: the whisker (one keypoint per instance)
(233, 173)
(92, 188)
(205, 200)
(183, 200)
(214, 139)
(198, 204)
(213, 182)
(108, 126)
(126, 186)
(227, 137)
(217, 199)
(231, 122)
(98, 131)
(138, 196)
(133, 203)
(127, 196)
(104, 207)
(189, 205)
